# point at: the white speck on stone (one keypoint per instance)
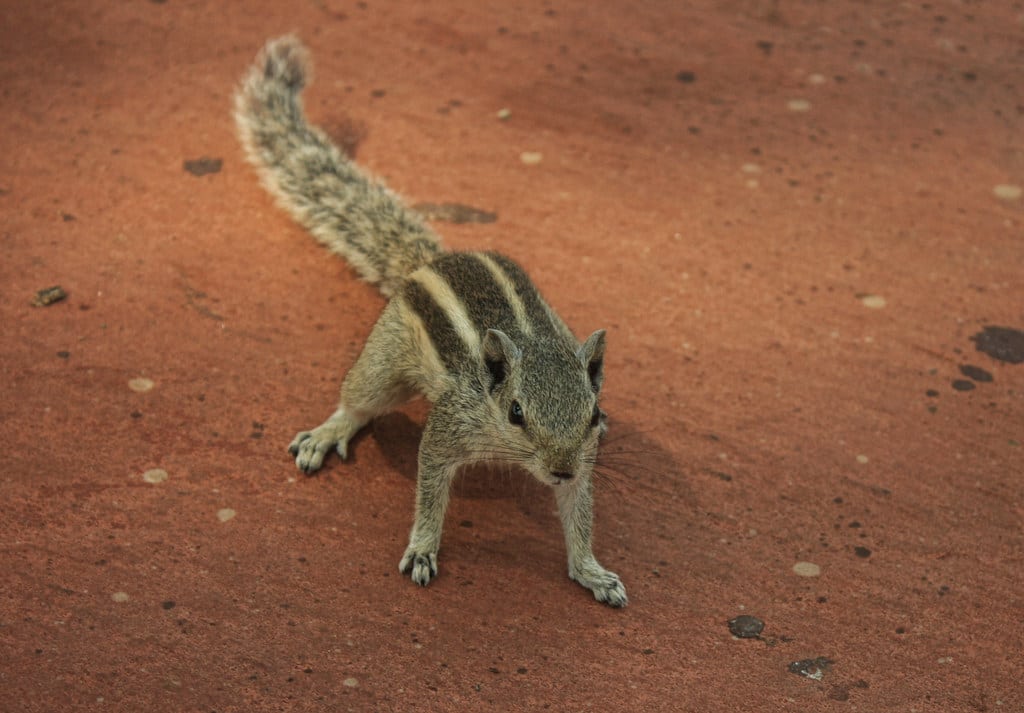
(225, 514)
(807, 569)
(504, 114)
(140, 384)
(1007, 192)
(944, 659)
(350, 682)
(155, 475)
(862, 459)
(816, 79)
(799, 105)
(120, 597)
(873, 301)
(531, 158)
(750, 168)
(753, 183)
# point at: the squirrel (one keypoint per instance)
(506, 378)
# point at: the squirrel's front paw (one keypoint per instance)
(422, 564)
(606, 586)
(310, 448)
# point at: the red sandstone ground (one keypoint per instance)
(721, 185)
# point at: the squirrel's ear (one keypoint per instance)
(499, 353)
(591, 355)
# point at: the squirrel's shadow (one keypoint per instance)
(398, 437)
(629, 461)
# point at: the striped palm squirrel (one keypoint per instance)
(469, 331)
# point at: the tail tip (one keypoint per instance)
(285, 59)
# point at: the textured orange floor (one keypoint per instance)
(792, 218)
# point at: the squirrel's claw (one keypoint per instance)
(606, 586)
(423, 565)
(309, 451)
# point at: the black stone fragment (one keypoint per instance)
(455, 213)
(963, 385)
(746, 627)
(975, 373)
(203, 166)
(1002, 343)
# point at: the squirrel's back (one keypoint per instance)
(352, 214)
(458, 297)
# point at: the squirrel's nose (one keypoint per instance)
(563, 475)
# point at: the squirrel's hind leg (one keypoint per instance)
(375, 385)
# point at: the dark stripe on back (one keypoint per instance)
(449, 346)
(537, 312)
(482, 297)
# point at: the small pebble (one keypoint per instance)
(155, 475)
(798, 105)
(46, 297)
(531, 158)
(225, 514)
(811, 668)
(873, 301)
(816, 79)
(350, 682)
(862, 459)
(750, 168)
(807, 569)
(120, 597)
(504, 114)
(1007, 192)
(140, 384)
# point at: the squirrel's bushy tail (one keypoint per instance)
(352, 214)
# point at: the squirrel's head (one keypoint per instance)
(544, 404)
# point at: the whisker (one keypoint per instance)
(618, 436)
(620, 468)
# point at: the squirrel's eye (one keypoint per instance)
(596, 418)
(515, 414)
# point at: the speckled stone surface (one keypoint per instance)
(793, 219)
